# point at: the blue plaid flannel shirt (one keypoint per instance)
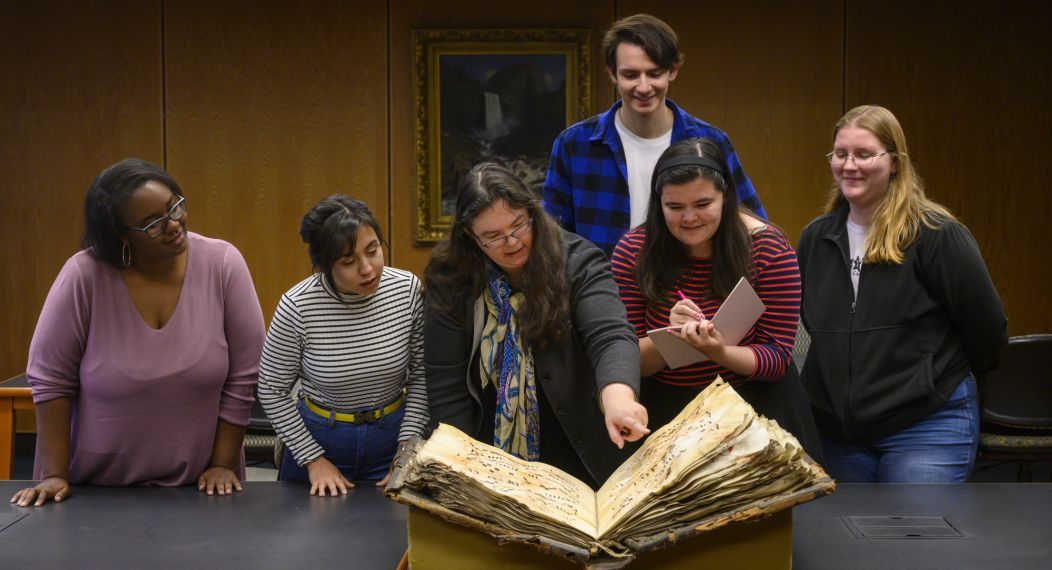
(586, 189)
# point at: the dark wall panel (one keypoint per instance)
(971, 85)
(271, 106)
(80, 89)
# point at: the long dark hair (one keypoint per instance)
(663, 257)
(330, 229)
(108, 193)
(460, 264)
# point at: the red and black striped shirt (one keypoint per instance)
(777, 283)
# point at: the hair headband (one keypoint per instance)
(691, 160)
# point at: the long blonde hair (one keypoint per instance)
(897, 220)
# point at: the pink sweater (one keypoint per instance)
(146, 401)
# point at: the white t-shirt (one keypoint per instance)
(856, 239)
(641, 155)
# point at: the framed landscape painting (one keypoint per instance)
(490, 95)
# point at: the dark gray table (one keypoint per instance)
(276, 525)
(269, 525)
(1006, 526)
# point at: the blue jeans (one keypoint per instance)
(938, 449)
(362, 452)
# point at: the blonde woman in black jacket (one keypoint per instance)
(901, 312)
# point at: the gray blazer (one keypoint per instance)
(600, 348)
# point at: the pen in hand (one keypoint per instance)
(701, 315)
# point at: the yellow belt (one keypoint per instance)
(358, 418)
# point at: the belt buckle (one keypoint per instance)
(369, 417)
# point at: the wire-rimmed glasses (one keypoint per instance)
(156, 227)
(517, 233)
(839, 158)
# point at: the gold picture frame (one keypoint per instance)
(500, 94)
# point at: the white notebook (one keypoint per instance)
(736, 316)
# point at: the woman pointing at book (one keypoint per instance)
(679, 267)
(526, 345)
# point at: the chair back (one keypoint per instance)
(1019, 392)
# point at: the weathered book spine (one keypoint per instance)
(398, 491)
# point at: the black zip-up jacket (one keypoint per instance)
(882, 361)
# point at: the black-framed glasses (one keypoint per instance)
(518, 232)
(839, 158)
(156, 227)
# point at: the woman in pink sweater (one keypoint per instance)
(147, 349)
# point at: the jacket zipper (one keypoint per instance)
(848, 416)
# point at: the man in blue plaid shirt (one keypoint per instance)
(598, 180)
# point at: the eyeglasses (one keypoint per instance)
(517, 233)
(156, 227)
(839, 158)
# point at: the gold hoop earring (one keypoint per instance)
(126, 254)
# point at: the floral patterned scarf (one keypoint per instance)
(507, 361)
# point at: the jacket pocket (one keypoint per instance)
(894, 399)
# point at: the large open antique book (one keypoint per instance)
(717, 462)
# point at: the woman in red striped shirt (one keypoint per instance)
(697, 242)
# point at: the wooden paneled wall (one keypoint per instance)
(261, 108)
(272, 105)
(971, 84)
(80, 89)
